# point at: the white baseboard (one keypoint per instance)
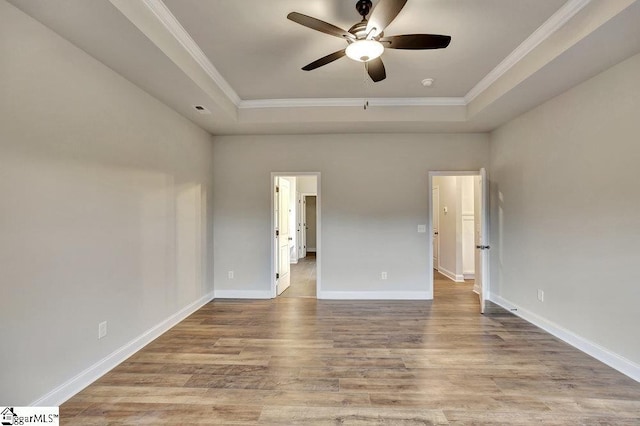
(74, 385)
(451, 275)
(311, 250)
(613, 360)
(242, 294)
(375, 295)
(469, 276)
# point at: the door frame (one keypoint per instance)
(432, 174)
(272, 227)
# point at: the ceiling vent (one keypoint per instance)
(201, 109)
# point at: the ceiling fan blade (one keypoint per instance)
(416, 41)
(382, 15)
(324, 60)
(376, 70)
(318, 25)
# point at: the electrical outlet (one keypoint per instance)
(383, 275)
(102, 329)
(540, 295)
(231, 275)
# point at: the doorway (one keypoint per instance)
(296, 231)
(458, 224)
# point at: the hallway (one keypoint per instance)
(303, 278)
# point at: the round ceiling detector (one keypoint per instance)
(365, 50)
(427, 82)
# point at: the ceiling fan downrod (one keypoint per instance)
(364, 7)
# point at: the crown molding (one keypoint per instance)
(350, 102)
(550, 26)
(171, 23)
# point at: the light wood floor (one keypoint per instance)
(303, 278)
(293, 361)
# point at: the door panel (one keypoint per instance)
(482, 238)
(436, 225)
(284, 207)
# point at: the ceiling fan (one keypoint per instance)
(366, 40)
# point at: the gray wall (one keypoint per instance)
(105, 212)
(373, 194)
(568, 174)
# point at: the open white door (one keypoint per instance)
(481, 207)
(283, 192)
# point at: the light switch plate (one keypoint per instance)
(422, 229)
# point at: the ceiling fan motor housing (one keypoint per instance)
(359, 30)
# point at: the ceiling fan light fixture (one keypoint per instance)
(364, 50)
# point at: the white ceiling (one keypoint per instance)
(242, 59)
(260, 52)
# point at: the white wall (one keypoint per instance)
(374, 192)
(568, 175)
(307, 184)
(105, 211)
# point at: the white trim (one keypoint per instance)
(242, 294)
(550, 26)
(74, 385)
(171, 23)
(613, 360)
(349, 102)
(469, 276)
(375, 295)
(447, 273)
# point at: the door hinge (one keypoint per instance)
(277, 233)
(277, 276)
(277, 189)
(483, 247)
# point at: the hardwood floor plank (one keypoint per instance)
(150, 414)
(263, 382)
(350, 416)
(144, 379)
